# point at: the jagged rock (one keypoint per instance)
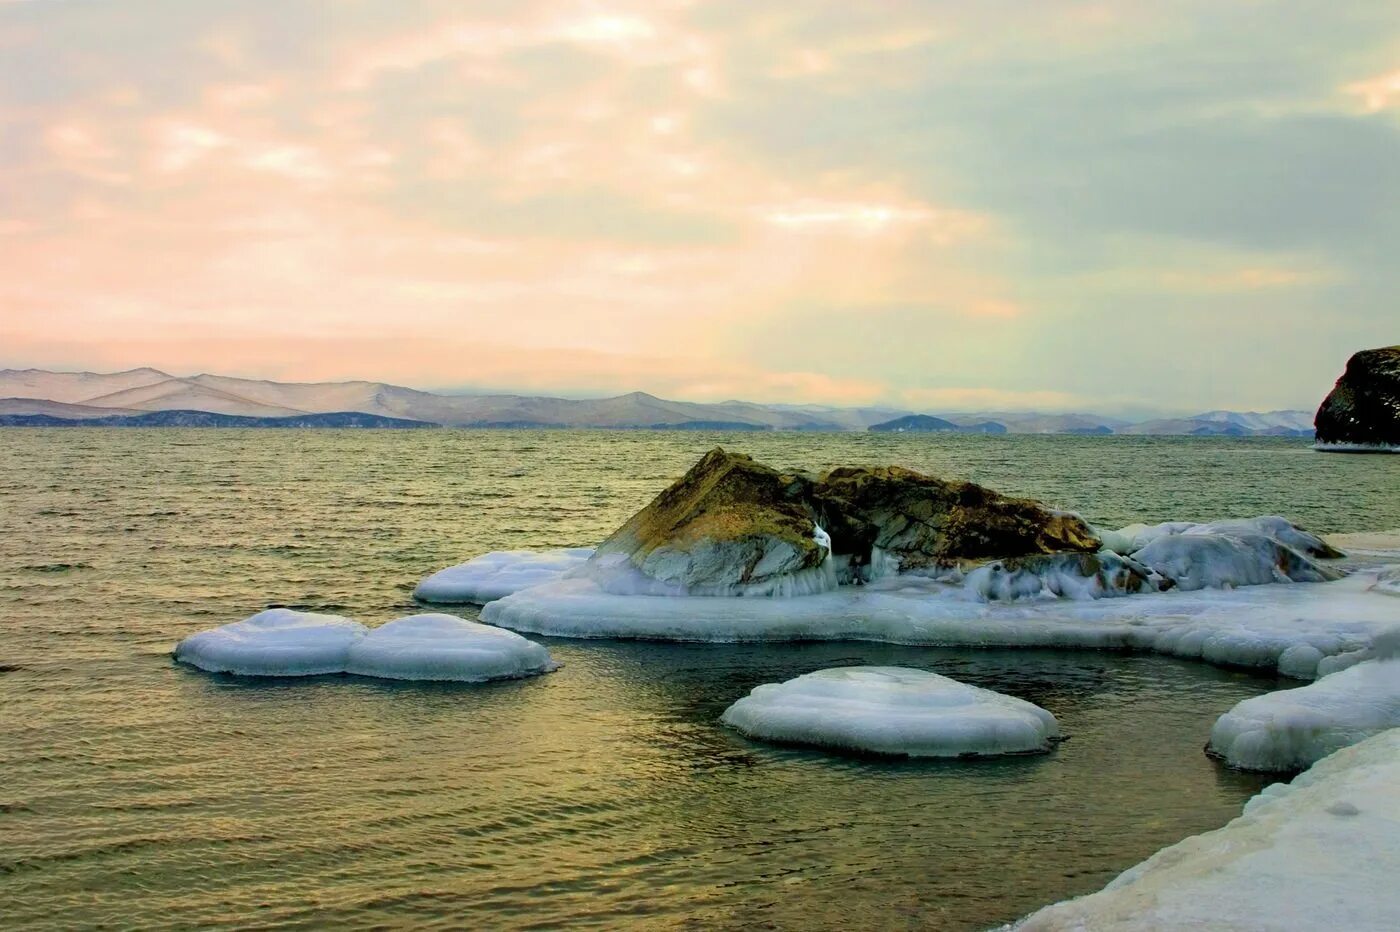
(1363, 409)
(732, 526)
(923, 521)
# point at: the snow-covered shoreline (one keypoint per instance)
(1319, 852)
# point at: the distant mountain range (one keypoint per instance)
(39, 397)
(340, 419)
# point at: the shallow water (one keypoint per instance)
(138, 793)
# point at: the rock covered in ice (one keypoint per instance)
(921, 521)
(277, 642)
(1226, 560)
(1317, 853)
(1362, 412)
(1225, 554)
(732, 526)
(1291, 728)
(445, 647)
(729, 526)
(1289, 628)
(1275, 527)
(892, 710)
(498, 574)
(1129, 540)
(1060, 575)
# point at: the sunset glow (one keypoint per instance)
(911, 203)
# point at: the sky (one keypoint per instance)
(1109, 206)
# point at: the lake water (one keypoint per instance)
(136, 793)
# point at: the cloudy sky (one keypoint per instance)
(944, 205)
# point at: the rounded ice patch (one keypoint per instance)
(445, 647)
(1293, 728)
(277, 642)
(892, 710)
(497, 574)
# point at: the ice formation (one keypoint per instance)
(277, 642)
(1317, 853)
(445, 647)
(892, 710)
(1292, 728)
(1387, 582)
(1226, 560)
(1288, 627)
(615, 573)
(282, 642)
(498, 574)
(1056, 576)
(1134, 537)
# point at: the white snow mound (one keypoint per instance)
(1293, 728)
(445, 647)
(496, 575)
(892, 710)
(1318, 853)
(277, 642)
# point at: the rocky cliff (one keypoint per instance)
(1362, 412)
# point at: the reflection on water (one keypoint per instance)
(139, 793)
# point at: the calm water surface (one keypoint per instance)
(136, 793)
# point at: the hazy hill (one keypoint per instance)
(38, 407)
(339, 419)
(924, 424)
(85, 395)
(1230, 423)
(1036, 422)
(73, 387)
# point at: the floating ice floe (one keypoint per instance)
(892, 710)
(498, 574)
(445, 647)
(277, 642)
(1292, 728)
(1317, 853)
(1288, 627)
(282, 642)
